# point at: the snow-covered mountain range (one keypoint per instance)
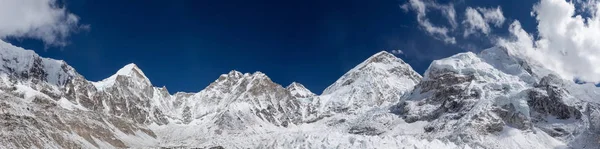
(493, 99)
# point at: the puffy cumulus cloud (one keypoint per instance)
(439, 32)
(480, 20)
(566, 43)
(38, 19)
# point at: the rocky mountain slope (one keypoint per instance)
(494, 99)
(46, 104)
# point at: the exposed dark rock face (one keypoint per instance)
(548, 99)
(548, 103)
(371, 131)
(216, 147)
(510, 116)
(79, 90)
(447, 94)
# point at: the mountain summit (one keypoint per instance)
(377, 81)
(130, 71)
(299, 91)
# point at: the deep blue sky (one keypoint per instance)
(187, 44)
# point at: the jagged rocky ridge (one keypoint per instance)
(493, 99)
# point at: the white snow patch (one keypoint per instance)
(65, 103)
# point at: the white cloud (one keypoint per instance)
(480, 20)
(474, 22)
(438, 32)
(397, 52)
(493, 15)
(38, 19)
(448, 11)
(566, 42)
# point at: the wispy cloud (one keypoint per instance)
(38, 19)
(397, 52)
(493, 15)
(437, 31)
(480, 20)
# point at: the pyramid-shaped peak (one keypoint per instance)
(130, 70)
(383, 53)
(381, 57)
(384, 58)
(299, 91)
(380, 66)
(295, 85)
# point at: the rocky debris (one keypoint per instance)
(216, 147)
(366, 130)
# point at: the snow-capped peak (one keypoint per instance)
(295, 85)
(380, 57)
(234, 73)
(379, 80)
(381, 64)
(130, 70)
(259, 74)
(18, 61)
(299, 91)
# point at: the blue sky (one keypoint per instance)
(187, 44)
